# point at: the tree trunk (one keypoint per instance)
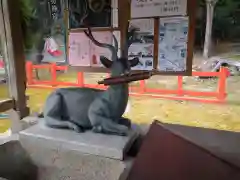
(208, 34)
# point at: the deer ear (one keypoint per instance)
(106, 62)
(134, 62)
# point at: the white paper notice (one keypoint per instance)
(144, 43)
(79, 51)
(145, 54)
(143, 25)
(159, 8)
(173, 38)
(96, 51)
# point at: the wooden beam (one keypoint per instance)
(191, 10)
(14, 54)
(6, 105)
(124, 17)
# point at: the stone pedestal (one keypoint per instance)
(64, 154)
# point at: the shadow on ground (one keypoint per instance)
(15, 163)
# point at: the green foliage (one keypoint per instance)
(28, 15)
(226, 22)
(27, 11)
(35, 22)
(227, 19)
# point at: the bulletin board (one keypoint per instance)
(165, 33)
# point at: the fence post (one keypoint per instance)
(29, 73)
(223, 74)
(80, 79)
(53, 67)
(180, 86)
(142, 86)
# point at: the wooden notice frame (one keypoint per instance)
(124, 15)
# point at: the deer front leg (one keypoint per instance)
(105, 125)
(112, 128)
(125, 121)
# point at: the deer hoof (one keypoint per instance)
(76, 128)
(124, 133)
(125, 122)
(97, 129)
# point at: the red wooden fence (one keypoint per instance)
(178, 94)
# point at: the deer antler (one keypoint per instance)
(115, 42)
(103, 45)
(130, 37)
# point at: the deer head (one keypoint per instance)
(118, 65)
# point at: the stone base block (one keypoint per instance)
(66, 155)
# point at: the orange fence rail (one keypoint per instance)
(178, 94)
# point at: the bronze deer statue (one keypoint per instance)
(101, 111)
